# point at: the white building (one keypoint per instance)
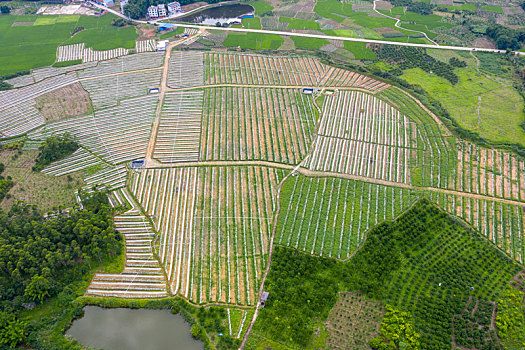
(173, 8)
(161, 9)
(153, 12)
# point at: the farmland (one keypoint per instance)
(236, 162)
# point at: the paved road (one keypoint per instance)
(317, 36)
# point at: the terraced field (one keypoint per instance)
(219, 139)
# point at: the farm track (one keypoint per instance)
(313, 173)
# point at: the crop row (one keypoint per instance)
(14, 97)
(145, 46)
(111, 178)
(179, 131)
(168, 196)
(435, 158)
(117, 134)
(124, 64)
(489, 172)
(79, 160)
(214, 225)
(108, 91)
(329, 216)
(501, 223)
(359, 134)
(19, 119)
(142, 276)
(186, 69)
(256, 124)
(262, 70)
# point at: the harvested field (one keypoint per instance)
(62, 103)
(257, 124)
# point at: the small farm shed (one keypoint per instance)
(162, 45)
(138, 163)
(264, 298)
(153, 91)
(308, 91)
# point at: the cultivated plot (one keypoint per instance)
(179, 129)
(257, 124)
(360, 134)
(186, 69)
(213, 225)
(117, 134)
(109, 90)
(330, 216)
(501, 223)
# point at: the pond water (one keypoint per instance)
(222, 14)
(128, 329)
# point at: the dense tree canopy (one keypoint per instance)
(54, 148)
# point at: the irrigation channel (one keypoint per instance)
(225, 14)
(127, 329)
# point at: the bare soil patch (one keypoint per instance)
(383, 5)
(69, 101)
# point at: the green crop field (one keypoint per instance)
(254, 41)
(500, 107)
(309, 43)
(252, 23)
(296, 23)
(26, 47)
(489, 8)
(359, 50)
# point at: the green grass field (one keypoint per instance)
(309, 43)
(253, 41)
(500, 110)
(261, 7)
(26, 47)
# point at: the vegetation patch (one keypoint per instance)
(425, 264)
(54, 148)
(360, 50)
(500, 106)
(261, 7)
(309, 43)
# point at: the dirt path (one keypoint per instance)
(312, 173)
(162, 92)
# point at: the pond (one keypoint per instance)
(222, 14)
(116, 329)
